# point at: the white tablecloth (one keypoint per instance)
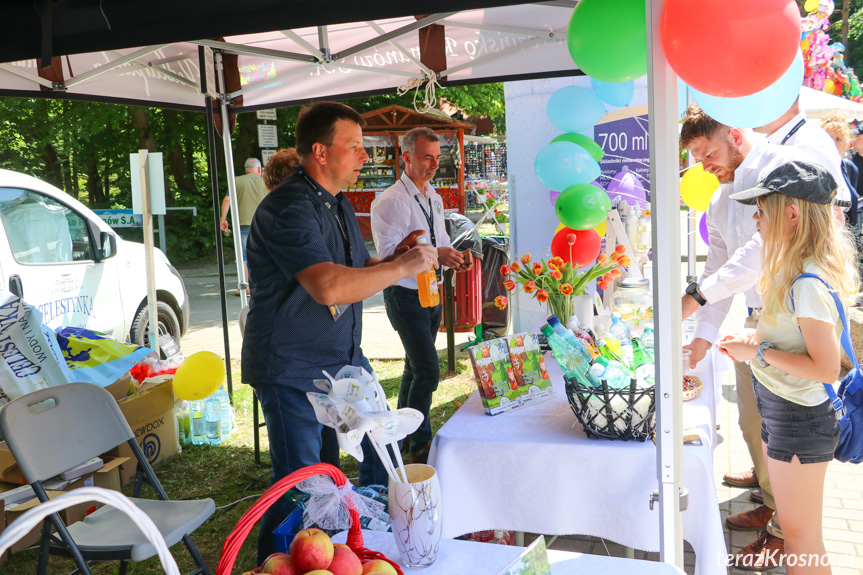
(535, 470)
(472, 558)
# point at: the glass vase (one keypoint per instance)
(561, 306)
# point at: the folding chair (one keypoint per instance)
(55, 429)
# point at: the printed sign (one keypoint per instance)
(120, 218)
(268, 136)
(266, 115)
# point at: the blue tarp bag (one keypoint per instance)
(848, 403)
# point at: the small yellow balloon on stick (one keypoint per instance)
(697, 187)
(199, 376)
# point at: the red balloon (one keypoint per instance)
(584, 251)
(730, 48)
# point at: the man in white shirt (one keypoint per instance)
(794, 130)
(733, 266)
(410, 205)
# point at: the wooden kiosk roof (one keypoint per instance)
(398, 118)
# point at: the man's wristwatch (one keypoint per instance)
(692, 289)
(759, 355)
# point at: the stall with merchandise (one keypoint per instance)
(382, 138)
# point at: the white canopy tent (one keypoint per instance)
(291, 66)
(817, 104)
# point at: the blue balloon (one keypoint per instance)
(560, 165)
(615, 93)
(760, 108)
(574, 109)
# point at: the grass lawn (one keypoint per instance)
(227, 473)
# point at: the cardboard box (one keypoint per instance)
(69, 516)
(529, 367)
(494, 375)
(151, 417)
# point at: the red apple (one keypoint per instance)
(320, 572)
(279, 564)
(345, 562)
(311, 549)
(378, 566)
(337, 545)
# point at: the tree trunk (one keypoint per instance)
(845, 13)
(143, 129)
(246, 142)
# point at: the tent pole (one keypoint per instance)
(665, 186)
(214, 185)
(232, 184)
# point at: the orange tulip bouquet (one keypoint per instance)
(557, 281)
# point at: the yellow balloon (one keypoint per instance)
(810, 5)
(559, 227)
(697, 187)
(199, 376)
(601, 228)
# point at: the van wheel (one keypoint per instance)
(168, 325)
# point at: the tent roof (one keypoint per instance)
(271, 65)
(817, 104)
(81, 26)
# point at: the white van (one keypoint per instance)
(60, 257)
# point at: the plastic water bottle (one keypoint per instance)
(571, 361)
(645, 370)
(199, 431)
(620, 331)
(608, 345)
(227, 419)
(614, 373)
(213, 419)
(647, 339)
(582, 332)
(570, 338)
(427, 283)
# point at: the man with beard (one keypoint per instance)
(733, 266)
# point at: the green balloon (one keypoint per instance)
(608, 40)
(582, 207)
(589, 145)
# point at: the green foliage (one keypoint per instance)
(83, 148)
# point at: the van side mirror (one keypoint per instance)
(108, 245)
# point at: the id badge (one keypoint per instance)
(337, 310)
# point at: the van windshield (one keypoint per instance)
(40, 229)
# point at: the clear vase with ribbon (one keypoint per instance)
(561, 306)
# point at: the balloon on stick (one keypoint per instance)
(582, 207)
(608, 40)
(760, 108)
(584, 251)
(729, 48)
(563, 164)
(199, 376)
(589, 145)
(702, 229)
(697, 187)
(574, 109)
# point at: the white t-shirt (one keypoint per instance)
(812, 300)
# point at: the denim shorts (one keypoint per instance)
(244, 235)
(789, 429)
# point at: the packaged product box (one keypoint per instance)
(5, 556)
(150, 415)
(529, 368)
(495, 377)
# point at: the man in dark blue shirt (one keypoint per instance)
(310, 271)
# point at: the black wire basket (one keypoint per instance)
(613, 413)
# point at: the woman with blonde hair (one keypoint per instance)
(795, 346)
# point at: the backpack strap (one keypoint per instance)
(845, 339)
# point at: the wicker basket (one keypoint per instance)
(613, 413)
(695, 391)
(355, 535)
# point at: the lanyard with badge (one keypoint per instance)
(792, 132)
(335, 310)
